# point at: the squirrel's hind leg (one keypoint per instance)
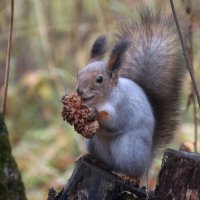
(130, 179)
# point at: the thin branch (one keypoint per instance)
(189, 48)
(190, 13)
(8, 59)
(184, 52)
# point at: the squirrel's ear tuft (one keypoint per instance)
(98, 48)
(116, 57)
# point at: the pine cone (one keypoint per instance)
(79, 115)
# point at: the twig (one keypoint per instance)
(8, 59)
(189, 48)
(184, 52)
(191, 16)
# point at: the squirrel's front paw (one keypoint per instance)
(102, 115)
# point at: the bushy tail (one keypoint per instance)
(155, 61)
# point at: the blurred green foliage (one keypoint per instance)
(51, 42)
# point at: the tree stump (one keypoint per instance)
(89, 182)
(179, 178)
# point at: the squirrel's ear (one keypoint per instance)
(116, 57)
(98, 48)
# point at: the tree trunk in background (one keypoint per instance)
(11, 186)
(179, 177)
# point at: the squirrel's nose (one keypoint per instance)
(79, 91)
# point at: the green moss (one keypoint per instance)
(11, 186)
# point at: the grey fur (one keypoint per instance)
(125, 142)
(155, 62)
(141, 97)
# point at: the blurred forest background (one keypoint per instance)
(51, 42)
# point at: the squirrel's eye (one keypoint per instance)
(99, 79)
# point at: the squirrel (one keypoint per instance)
(136, 93)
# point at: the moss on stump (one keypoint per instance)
(11, 185)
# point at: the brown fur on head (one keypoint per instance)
(96, 80)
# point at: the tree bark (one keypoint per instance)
(11, 186)
(179, 178)
(90, 182)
